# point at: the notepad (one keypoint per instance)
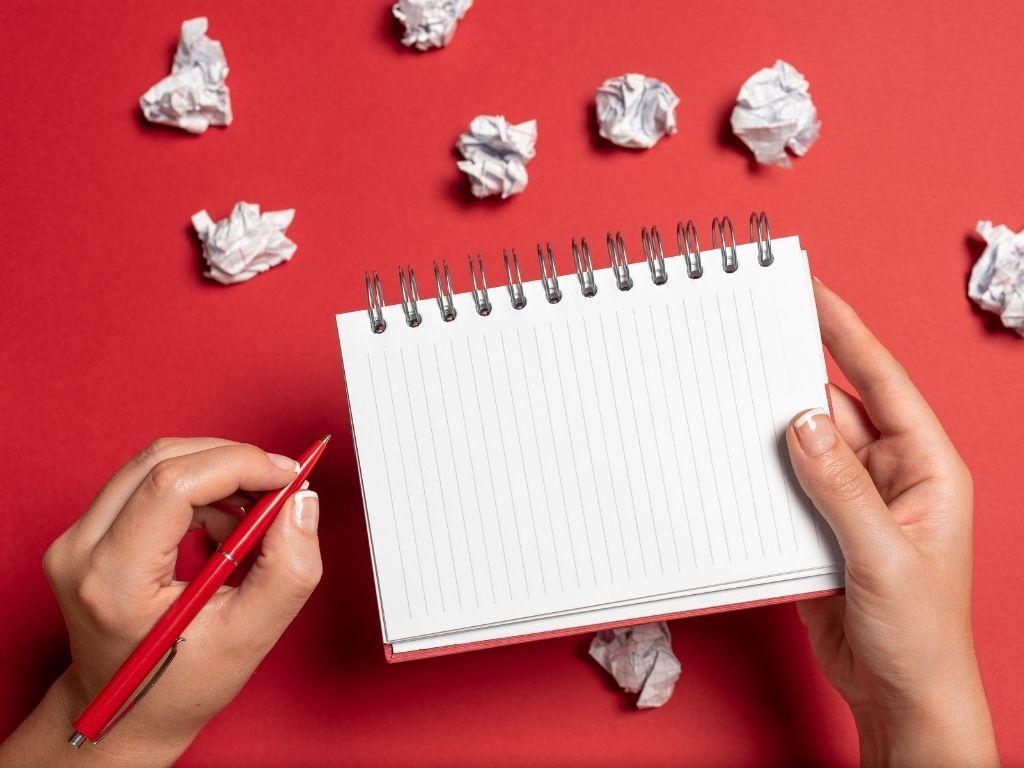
(589, 461)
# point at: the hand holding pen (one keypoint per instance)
(113, 574)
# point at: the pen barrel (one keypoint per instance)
(145, 658)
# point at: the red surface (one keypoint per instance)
(112, 338)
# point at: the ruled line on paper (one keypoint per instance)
(739, 424)
(391, 495)
(440, 487)
(408, 493)
(455, 472)
(572, 449)
(639, 444)
(707, 428)
(780, 336)
(476, 491)
(558, 466)
(654, 432)
(675, 450)
(543, 480)
(590, 454)
(757, 419)
(636, 427)
(772, 418)
(721, 420)
(606, 453)
(508, 478)
(526, 473)
(622, 446)
(689, 433)
(491, 475)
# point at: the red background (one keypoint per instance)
(111, 337)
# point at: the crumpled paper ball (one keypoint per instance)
(635, 111)
(429, 23)
(641, 661)
(244, 244)
(774, 112)
(194, 96)
(997, 279)
(496, 153)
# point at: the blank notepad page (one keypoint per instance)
(597, 452)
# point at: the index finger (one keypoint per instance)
(95, 521)
(145, 536)
(893, 403)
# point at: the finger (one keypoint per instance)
(851, 419)
(823, 617)
(890, 398)
(283, 576)
(220, 518)
(237, 503)
(144, 538)
(217, 523)
(842, 491)
(112, 497)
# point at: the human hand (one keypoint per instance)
(113, 574)
(898, 646)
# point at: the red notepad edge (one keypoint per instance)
(479, 645)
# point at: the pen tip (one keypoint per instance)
(325, 438)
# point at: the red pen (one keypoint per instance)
(112, 703)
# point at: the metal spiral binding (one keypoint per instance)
(410, 297)
(759, 222)
(654, 252)
(620, 264)
(445, 298)
(689, 248)
(729, 261)
(515, 288)
(584, 267)
(723, 237)
(481, 297)
(549, 275)
(375, 300)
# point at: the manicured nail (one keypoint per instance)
(284, 462)
(307, 510)
(814, 431)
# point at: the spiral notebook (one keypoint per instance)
(597, 448)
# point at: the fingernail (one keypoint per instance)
(814, 431)
(284, 462)
(307, 510)
(304, 486)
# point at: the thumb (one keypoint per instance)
(842, 491)
(285, 573)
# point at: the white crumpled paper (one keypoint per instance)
(244, 244)
(429, 23)
(640, 659)
(194, 96)
(496, 153)
(997, 279)
(774, 112)
(635, 111)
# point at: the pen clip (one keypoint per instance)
(145, 689)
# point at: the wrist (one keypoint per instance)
(947, 725)
(126, 745)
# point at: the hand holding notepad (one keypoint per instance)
(597, 459)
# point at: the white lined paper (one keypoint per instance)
(597, 452)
